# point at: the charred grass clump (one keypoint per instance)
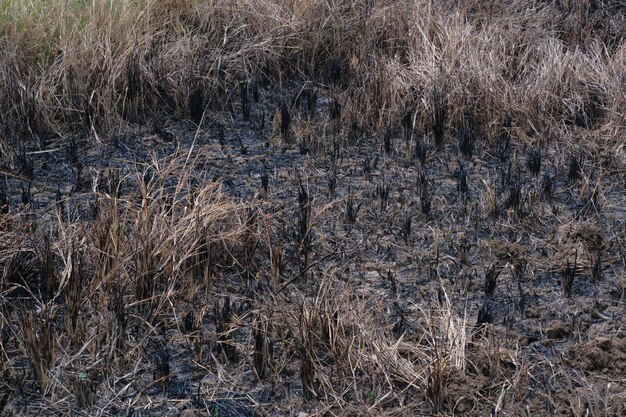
(76, 305)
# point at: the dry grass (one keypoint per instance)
(171, 277)
(87, 66)
(120, 276)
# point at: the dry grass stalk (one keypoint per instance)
(38, 342)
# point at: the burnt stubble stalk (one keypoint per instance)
(533, 160)
(574, 169)
(335, 70)
(265, 181)
(464, 248)
(568, 274)
(304, 225)
(485, 316)
(514, 200)
(285, 122)
(387, 138)
(263, 354)
(439, 115)
(596, 267)
(425, 193)
(419, 150)
(306, 353)
(382, 194)
(462, 184)
(133, 89)
(332, 182)
(250, 241)
(467, 136)
(407, 132)
(25, 165)
(335, 115)
(276, 261)
(505, 139)
(39, 341)
(195, 104)
(311, 97)
(406, 228)
(223, 316)
(244, 88)
(74, 291)
(547, 187)
(189, 322)
(491, 280)
(48, 278)
(84, 391)
(4, 195)
(436, 390)
(162, 371)
(27, 197)
(393, 285)
(304, 145)
(367, 168)
(352, 211)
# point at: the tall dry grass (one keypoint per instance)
(92, 66)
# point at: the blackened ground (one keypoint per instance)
(401, 234)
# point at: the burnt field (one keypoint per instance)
(347, 208)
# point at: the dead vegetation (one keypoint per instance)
(332, 208)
